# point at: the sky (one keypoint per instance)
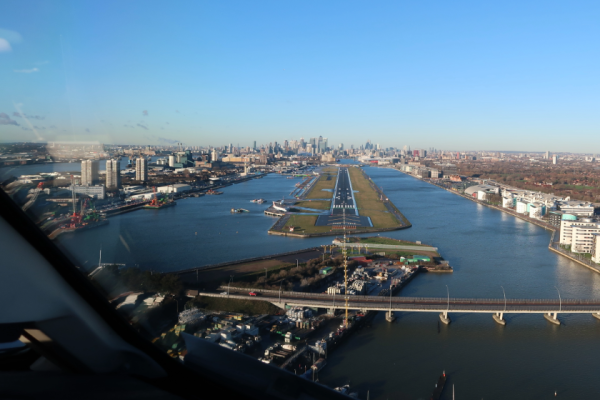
(455, 75)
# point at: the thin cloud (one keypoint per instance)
(21, 115)
(4, 46)
(5, 120)
(142, 126)
(26, 71)
(168, 141)
(11, 36)
(145, 113)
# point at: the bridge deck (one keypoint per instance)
(423, 304)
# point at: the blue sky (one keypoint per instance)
(470, 75)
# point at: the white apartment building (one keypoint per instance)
(577, 208)
(521, 206)
(535, 211)
(579, 234)
(596, 248)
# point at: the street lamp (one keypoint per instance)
(504, 297)
(280, 289)
(265, 275)
(229, 284)
(448, 290)
(296, 263)
(559, 299)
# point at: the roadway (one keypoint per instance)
(420, 304)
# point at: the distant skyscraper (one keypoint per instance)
(254, 146)
(141, 169)
(554, 159)
(89, 172)
(113, 174)
(547, 157)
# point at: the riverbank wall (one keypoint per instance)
(555, 247)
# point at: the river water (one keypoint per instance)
(529, 358)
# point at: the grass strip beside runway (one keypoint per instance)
(368, 202)
(326, 181)
(316, 204)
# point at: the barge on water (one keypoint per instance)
(439, 387)
(213, 192)
(239, 210)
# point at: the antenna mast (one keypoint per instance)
(344, 252)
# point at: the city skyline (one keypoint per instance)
(478, 77)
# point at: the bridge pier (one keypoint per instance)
(596, 315)
(444, 317)
(389, 316)
(552, 317)
(498, 318)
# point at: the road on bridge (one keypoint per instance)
(421, 304)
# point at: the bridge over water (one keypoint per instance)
(550, 308)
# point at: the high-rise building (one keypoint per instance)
(547, 157)
(89, 172)
(254, 146)
(554, 159)
(141, 169)
(113, 174)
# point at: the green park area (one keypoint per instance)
(316, 204)
(326, 181)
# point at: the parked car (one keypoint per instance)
(253, 294)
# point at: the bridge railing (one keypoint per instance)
(422, 300)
